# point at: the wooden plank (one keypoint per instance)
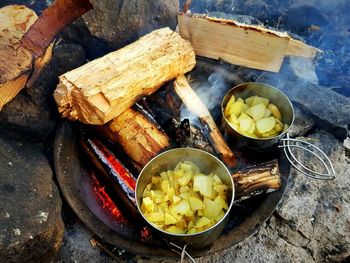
(245, 45)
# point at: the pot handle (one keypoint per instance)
(288, 144)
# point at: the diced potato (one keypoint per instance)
(251, 129)
(245, 108)
(257, 100)
(249, 101)
(221, 189)
(221, 215)
(233, 119)
(278, 125)
(195, 203)
(211, 209)
(204, 184)
(257, 112)
(244, 122)
(229, 105)
(175, 230)
(274, 111)
(267, 113)
(185, 179)
(176, 199)
(202, 222)
(184, 200)
(182, 207)
(239, 100)
(221, 202)
(155, 179)
(191, 231)
(185, 195)
(148, 204)
(265, 124)
(216, 179)
(155, 217)
(169, 219)
(236, 108)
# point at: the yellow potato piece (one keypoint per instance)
(236, 108)
(169, 219)
(182, 207)
(184, 200)
(274, 111)
(265, 124)
(257, 112)
(204, 184)
(257, 100)
(175, 230)
(249, 101)
(211, 209)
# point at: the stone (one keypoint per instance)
(302, 125)
(329, 109)
(31, 227)
(122, 22)
(32, 114)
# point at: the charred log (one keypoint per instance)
(138, 134)
(257, 179)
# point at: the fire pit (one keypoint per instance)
(93, 206)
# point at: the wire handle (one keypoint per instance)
(288, 144)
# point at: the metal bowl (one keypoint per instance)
(275, 96)
(207, 164)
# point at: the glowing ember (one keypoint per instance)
(106, 202)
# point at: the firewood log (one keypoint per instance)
(102, 89)
(140, 138)
(245, 45)
(197, 107)
(254, 180)
(25, 42)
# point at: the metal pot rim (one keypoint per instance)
(206, 230)
(279, 136)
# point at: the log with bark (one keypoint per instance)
(257, 179)
(25, 42)
(102, 89)
(138, 135)
(240, 44)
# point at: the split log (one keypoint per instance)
(25, 42)
(240, 44)
(254, 180)
(197, 107)
(102, 89)
(140, 137)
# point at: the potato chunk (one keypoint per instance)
(184, 200)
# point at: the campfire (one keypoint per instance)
(169, 145)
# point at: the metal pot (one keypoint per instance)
(207, 164)
(275, 96)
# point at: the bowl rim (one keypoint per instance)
(279, 136)
(198, 233)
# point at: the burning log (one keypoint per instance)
(197, 107)
(240, 44)
(138, 135)
(25, 42)
(104, 88)
(254, 180)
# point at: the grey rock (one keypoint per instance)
(122, 22)
(32, 114)
(31, 227)
(329, 109)
(303, 123)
